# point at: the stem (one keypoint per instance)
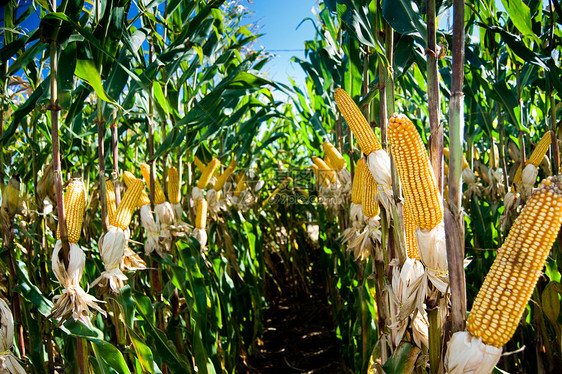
(115, 148)
(101, 157)
(453, 213)
(434, 339)
(436, 129)
(389, 81)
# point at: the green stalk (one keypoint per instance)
(100, 122)
(436, 129)
(434, 339)
(453, 212)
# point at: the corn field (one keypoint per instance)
(164, 211)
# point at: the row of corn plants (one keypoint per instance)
(133, 209)
(476, 88)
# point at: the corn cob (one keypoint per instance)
(324, 170)
(208, 173)
(110, 197)
(370, 206)
(240, 185)
(334, 155)
(201, 218)
(415, 173)
(129, 179)
(159, 197)
(536, 157)
(74, 204)
(221, 180)
(173, 186)
(357, 186)
(199, 164)
(128, 205)
(328, 163)
(359, 126)
(410, 231)
(508, 286)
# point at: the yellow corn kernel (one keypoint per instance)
(357, 123)
(410, 233)
(129, 179)
(208, 173)
(159, 197)
(110, 200)
(370, 206)
(335, 157)
(74, 206)
(199, 164)
(128, 205)
(536, 157)
(416, 175)
(173, 186)
(240, 185)
(201, 218)
(357, 186)
(232, 163)
(509, 284)
(221, 180)
(327, 161)
(324, 170)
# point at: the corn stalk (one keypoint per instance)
(453, 212)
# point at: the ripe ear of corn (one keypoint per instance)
(208, 173)
(221, 180)
(110, 199)
(159, 197)
(357, 186)
(509, 284)
(335, 157)
(369, 185)
(240, 185)
(128, 205)
(357, 123)
(536, 157)
(199, 164)
(201, 218)
(410, 233)
(74, 205)
(173, 186)
(129, 179)
(416, 175)
(324, 170)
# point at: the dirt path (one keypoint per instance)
(299, 337)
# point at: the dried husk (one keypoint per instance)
(433, 254)
(8, 362)
(112, 247)
(152, 231)
(378, 163)
(468, 354)
(73, 301)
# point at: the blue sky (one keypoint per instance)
(278, 20)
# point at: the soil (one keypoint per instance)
(299, 337)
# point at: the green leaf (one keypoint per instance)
(87, 71)
(520, 15)
(403, 360)
(144, 354)
(551, 301)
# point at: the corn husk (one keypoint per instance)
(468, 354)
(196, 195)
(433, 254)
(201, 236)
(132, 261)
(8, 362)
(420, 329)
(378, 163)
(368, 241)
(73, 301)
(152, 231)
(529, 178)
(112, 247)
